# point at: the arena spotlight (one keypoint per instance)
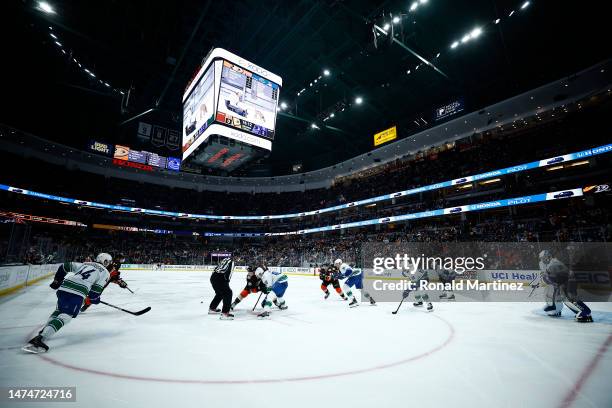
(359, 100)
(465, 38)
(396, 20)
(476, 32)
(59, 44)
(423, 1)
(413, 6)
(283, 105)
(53, 36)
(332, 115)
(46, 7)
(326, 72)
(525, 5)
(455, 44)
(386, 26)
(497, 21)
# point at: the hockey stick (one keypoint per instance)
(141, 312)
(398, 306)
(533, 288)
(256, 303)
(131, 291)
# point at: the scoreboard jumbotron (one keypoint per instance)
(229, 112)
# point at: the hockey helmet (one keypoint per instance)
(104, 259)
(338, 262)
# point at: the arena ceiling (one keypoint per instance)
(153, 48)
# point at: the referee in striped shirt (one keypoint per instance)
(220, 279)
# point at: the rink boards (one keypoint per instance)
(289, 270)
(15, 277)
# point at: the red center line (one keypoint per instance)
(588, 370)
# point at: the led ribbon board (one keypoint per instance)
(495, 173)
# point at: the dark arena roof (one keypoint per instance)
(140, 57)
(196, 195)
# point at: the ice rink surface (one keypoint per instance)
(318, 353)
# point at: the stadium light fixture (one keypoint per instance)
(283, 105)
(437, 55)
(359, 100)
(386, 26)
(396, 20)
(413, 6)
(455, 44)
(59, 44)
(497, 21)
(423, 1)
(408, 72)
(332, 115)
(326, 72)
(53, 36)
(476, 32)
(511, 13)
(46, 7)
(465, 38)
(525, 5)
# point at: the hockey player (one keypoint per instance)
(329, 275)
(114, 278)
(274, 285)
(220, 279)
(447, 276)
(561, 287)
(73, 282)
(253, 285)
(420, 295)
(353, 278)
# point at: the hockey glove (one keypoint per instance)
(55, 284)
(121, 283)
(94, 298)
(406, 293)
(263, 288)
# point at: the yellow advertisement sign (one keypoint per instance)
(385, 136)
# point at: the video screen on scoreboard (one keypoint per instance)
(198, 109)
(247, 101)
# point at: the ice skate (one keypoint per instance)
(36, 346)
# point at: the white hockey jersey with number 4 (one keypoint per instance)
(81, 278)
(269, 278)
(346, 271)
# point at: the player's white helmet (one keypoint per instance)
(259, 272)
(338, 262)
(104, 258)
(545, 256)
